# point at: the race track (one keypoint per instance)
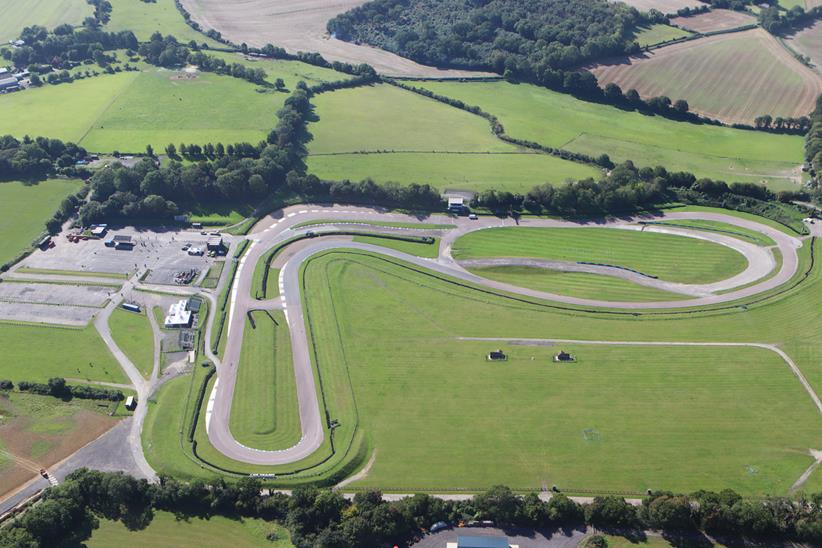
(279, 227)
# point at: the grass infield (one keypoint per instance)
(669, 257)
(132, 333)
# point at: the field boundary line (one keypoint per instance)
(766, 346)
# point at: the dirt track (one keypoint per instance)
(299, 25)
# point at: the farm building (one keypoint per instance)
(178, 317)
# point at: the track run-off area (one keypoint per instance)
(762, 274)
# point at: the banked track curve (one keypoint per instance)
(278, 227)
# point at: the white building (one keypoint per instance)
(178, 316)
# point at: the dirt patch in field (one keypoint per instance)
(714, 20)
(809, 42)
(299, 25)
(731, 77)
(37, 444)
(665, 6)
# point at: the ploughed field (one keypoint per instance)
(732, 77)
(669, 257)
(714, 20)
(559, 120)
(808, 41)
(391, 134)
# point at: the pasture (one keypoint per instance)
(167, 530)
(390, 134)
(24, 210)
(714, 20)
(292, 72)
(132, 333)
(574, 284)
(264, 412)
(69, 353)
(47, 13)
(732, 77)
(681, 414)
(559, 120)
(657, 34)
(146, 18)
(299, 25)
(669, 257)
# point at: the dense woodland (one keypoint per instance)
(813, 143)
(534, 38)
(316, 518)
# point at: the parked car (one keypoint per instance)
(439, 526)
(473, 216)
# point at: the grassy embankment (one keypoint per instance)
(391, 134)
(132, 333)
(560, 120)
(24, 210)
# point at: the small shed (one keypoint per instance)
(215, 243)
(497, 356)
(98, 231)
(131, 403)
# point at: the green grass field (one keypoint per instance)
(559, 120)
(166, 530)
(127, 111)
(47, 13)
(145, 18)
(35, 353)
(292, 72)
(656, 34)
(575, 284)
(430, 251)
(132, 333)
(620, 418)
(412, 139)
(669, 257)
(264, 412)
(797, 217)
(738, 232)
(24, 210)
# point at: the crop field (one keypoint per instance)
(44, 430)
(70, 353)
(410, 138)
(132, 333)
(559, 120)
(656, 34)
(24, 210)
(808, 42)
(146, 18)
(167, 530)
(299, 25)
(733, 77)
(575, 284)
(264, 412)
(127, 111)
(679, 412)
(714, 20)
(667, 256)
(47, 13)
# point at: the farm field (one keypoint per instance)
(24, 210)
(299, 25)
(127, 111)
(808, 42)
(166, 530)
(44, 430)
(667, 256)
(70, 353)
(714, 20)
(575, 284)
(132, 333)
(146, 18)
(572, 424)
(411, 139)
(47, 13)
(559, 120)
(656, 34)
(733, 77)
(292, 72)
(264, 412)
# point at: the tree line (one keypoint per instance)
(65, 46)
(813, 144)
(776, 21)
(69, 513)
(32, 159)
(58, 388)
